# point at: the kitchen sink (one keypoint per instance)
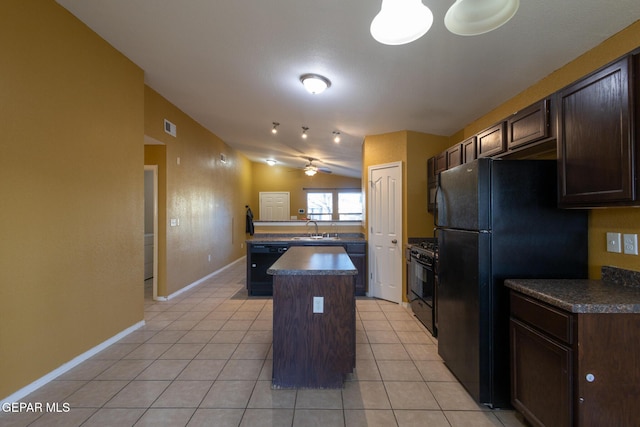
(314, 238)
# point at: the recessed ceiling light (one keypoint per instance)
(315, 83)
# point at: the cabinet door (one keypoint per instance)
(454, 156)
(594, 138)
(360, 262)
(469, 152)
(441, 162)
(358, 254)
(492, 141)
(540, 377)
(529, 125)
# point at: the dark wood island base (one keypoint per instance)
(312, 349)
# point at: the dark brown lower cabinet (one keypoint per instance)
(574, 369)
(541, 370)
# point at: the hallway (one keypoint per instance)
(203, 359)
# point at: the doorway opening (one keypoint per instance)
(151, 232)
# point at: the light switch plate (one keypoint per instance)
(630, 244)
(614, 242)
(318, 304)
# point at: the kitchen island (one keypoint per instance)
(574, 349)
(313, 317)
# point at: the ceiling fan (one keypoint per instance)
(310, 169)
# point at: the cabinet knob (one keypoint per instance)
(394, 241)
(590, 378)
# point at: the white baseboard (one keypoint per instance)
(199, 281)
(68, 365)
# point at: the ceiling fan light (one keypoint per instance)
(401, 22)
(310, 170)
(314, 83)
(474, 17)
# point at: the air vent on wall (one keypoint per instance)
(169, 128)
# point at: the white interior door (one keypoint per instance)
(385, 231)
(274, 206)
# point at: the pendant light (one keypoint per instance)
(474, 17)
(274, 129)
(401, 21)
(336, 137)
(304, 132)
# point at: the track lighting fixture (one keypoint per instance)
(336, 137)
(304, 132)
(274, 130)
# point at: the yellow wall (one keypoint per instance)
(280, 178)
(71, 180)
(412, 149)
(206, 195)
(600, 220)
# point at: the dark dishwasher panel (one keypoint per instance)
(261, 257)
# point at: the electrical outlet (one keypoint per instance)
(630, 244)
(318, 304)
(613, 242)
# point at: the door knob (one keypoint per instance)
(394, 241)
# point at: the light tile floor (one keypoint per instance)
(203, 359)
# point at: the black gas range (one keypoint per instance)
(422, 259)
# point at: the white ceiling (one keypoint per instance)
(234, 66)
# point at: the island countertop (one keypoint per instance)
(314, 260)
(581, 296)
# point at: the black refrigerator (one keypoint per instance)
(496, 219)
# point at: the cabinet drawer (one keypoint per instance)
(543, 317)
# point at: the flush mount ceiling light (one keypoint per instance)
(271, 162)
(304, 132)
(336, 137)
(401, 21)
(274, 130)
(315, 83)
(474, 17)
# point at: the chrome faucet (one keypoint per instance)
(315, 223)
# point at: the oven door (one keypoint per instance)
(422, 285)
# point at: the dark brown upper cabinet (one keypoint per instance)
(492, 141)
(529, 125)
(440, 162)
(454, 156)
(469, 152)
(597, 153)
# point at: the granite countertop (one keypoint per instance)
(617, 292)
(303, 239)
(318, 261)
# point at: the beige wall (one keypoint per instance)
(71, 180)
(206, 195)
(280, 178)
(625, 220)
